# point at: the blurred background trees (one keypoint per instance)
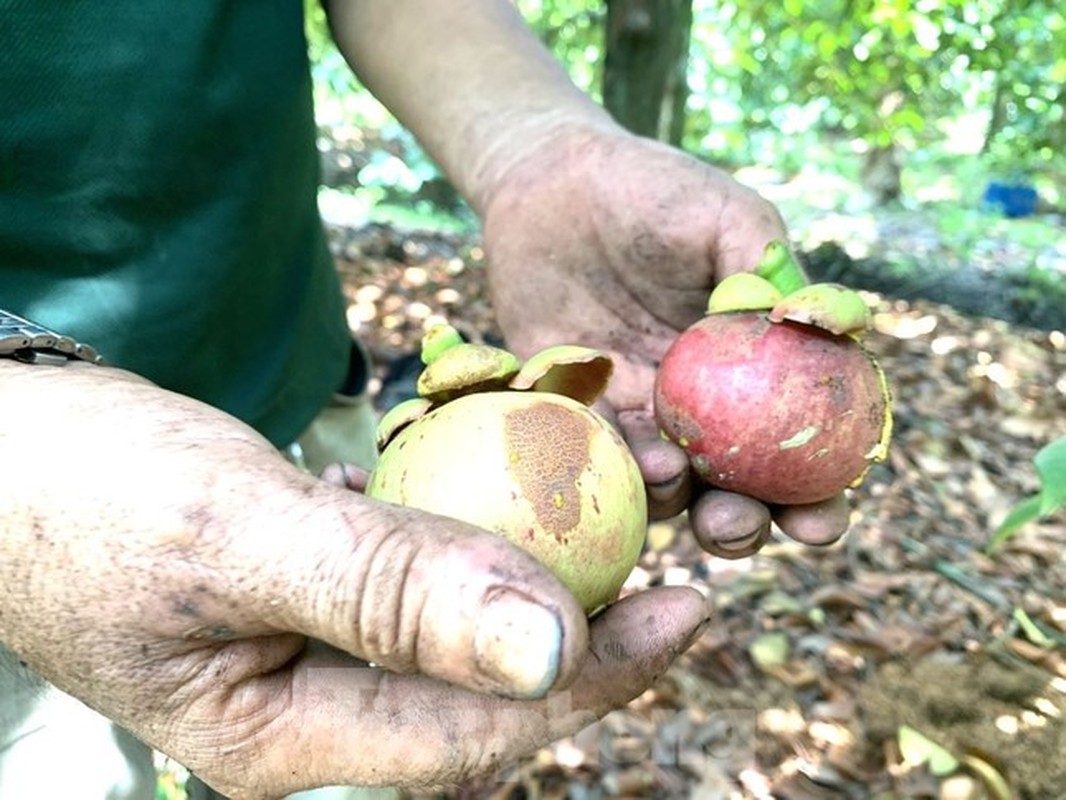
(763, 79)
(846, 113)
(770, 83)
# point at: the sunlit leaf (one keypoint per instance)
(1030, 629)
(1050, 463)
(919, 749)
(1022, 514)
(770, 650)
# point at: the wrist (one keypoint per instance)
(541, 145)
(475, 85)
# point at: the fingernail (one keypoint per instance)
(518, 643)
(665, 490)
(696, 634)
(753, 539)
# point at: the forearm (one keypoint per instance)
(467, 77)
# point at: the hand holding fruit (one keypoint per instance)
(195, 587)
(772, 394)
(615, 242)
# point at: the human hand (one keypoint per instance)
(601, 238)
(161, 562)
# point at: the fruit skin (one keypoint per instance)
(783, 412)
(540, 469)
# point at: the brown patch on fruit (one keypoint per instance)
(559, 438)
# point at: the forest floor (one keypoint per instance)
(904, 661)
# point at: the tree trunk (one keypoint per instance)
(645, 83)
(998, 115)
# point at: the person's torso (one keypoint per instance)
(158, 178)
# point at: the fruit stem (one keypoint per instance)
(780, 268)
(437, 340)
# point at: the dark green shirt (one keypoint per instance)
(158, 179)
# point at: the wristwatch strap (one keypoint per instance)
(35, 344)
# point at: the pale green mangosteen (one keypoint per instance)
(515, 449)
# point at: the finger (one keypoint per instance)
(748, 223)
(346, 476)
(663, 465)
(817, 523)
(415, 732)
(398, 587)
(729, 525)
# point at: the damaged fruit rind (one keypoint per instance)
(580, 373)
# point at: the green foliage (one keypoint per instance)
(397, 169)
(887, 71)
(573, 31)
(768, 78)
(773, 82)
(1050, 463)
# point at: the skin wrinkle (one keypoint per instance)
(392, 544)
(362, 613)
(630, 306)
(403, 611)
(623, 309)
(250, 709)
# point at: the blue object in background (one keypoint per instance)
(1011, 199)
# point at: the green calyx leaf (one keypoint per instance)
(829, 306)
(466, 368)
(743, 291)
(454, 367)
(779, 286)
(580, 373)
(399, 417)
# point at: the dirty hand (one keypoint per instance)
(601, 238)
(161, 562)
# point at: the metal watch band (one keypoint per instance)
(35, 344)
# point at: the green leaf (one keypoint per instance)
(1031, 631)
(918, 749)
(1022, 514)
(1050, 465)
(770, 650)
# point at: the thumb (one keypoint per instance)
(409, 591)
